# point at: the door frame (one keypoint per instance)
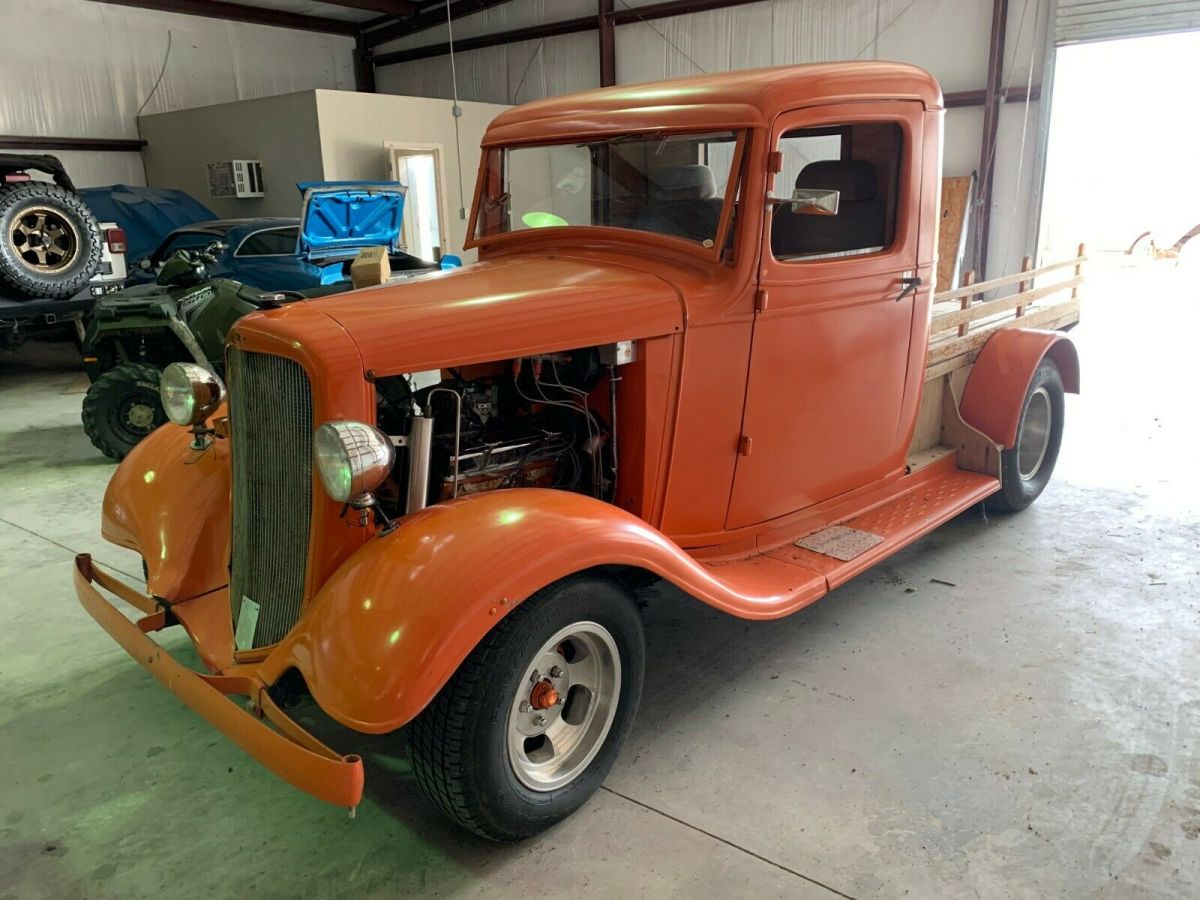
(395, 149)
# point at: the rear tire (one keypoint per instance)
(529, 726)
(1026, 467)
(121, 407)
(50, 244)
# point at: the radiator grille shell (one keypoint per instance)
(271, 414)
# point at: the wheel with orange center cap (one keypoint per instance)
(531, 723)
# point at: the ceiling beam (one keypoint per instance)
(1014, 94)
(41, 142)
(629, 15)
(428, 17)
(236, 12)
(608, 43)
(532, 33)
(436, 17)
(993, 100)
(394, 8)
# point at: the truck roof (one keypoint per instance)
(745, 98)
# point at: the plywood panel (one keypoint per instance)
(957, 192)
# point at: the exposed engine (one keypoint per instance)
(526, 422)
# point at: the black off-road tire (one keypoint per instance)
(1021, 488)
(30, 267)
(458, 745)
(121, 407)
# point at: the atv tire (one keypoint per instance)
(50, 244)
(121, 407)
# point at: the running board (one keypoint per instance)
(810, 565)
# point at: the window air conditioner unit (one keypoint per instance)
(236, 178)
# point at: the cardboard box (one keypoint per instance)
(371, 266)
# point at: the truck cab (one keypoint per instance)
(695, 349)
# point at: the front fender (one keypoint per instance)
(995, 393)
(171, 504)
(391, 626)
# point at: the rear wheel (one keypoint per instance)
(121, 407)
(50, 244)
(1026, 467)
(530, 724)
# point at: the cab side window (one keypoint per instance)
(861, 163)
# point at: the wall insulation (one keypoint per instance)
(947, 37)
(73, 68)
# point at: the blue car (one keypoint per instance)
(337, 220)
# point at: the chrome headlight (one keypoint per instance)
(352, 458)
(190, 393)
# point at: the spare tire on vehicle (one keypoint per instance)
(50, 244)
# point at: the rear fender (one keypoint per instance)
(389, 628)
(171, 504)
(995, 391)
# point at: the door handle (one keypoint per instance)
(911, 283)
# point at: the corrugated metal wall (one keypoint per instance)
(947, 37)
(72, 68)
(1099, 20)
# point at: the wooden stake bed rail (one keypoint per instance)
(963, 320)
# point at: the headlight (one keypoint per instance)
(352, 458)
(190, 393)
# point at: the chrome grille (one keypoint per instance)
(270, 413)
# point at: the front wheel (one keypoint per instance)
(531, 723)
(1026, 467)
(121, 407)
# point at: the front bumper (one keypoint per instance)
(290, 752)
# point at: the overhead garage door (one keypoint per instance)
(1098, 20)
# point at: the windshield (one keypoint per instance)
(673, 184)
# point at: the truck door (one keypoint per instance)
(833, 326)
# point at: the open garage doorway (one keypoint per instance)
(1123, 176)
(1123, 167)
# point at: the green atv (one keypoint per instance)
(135, 333)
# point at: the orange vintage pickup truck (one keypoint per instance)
(700, 346)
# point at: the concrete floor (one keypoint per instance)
(1030, 730)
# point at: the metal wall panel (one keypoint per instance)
(1100, 20)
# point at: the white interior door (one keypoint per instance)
(419, 168)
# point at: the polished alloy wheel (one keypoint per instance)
(565, 706)
(44, 239)
(1035, 434)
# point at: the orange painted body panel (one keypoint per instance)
(171, 505)
(995, 393)
(741, 427)
(832, 349)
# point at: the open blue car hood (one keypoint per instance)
(348, 215)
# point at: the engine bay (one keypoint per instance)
(536, 421)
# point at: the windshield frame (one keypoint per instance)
(612, 233)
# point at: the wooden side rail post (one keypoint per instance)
(967, 280)
(1022, 287)
(1080, 256)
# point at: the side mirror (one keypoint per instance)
(815, 201)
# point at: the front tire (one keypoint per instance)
(529, 726)
(1026, 467)
(121, 407)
